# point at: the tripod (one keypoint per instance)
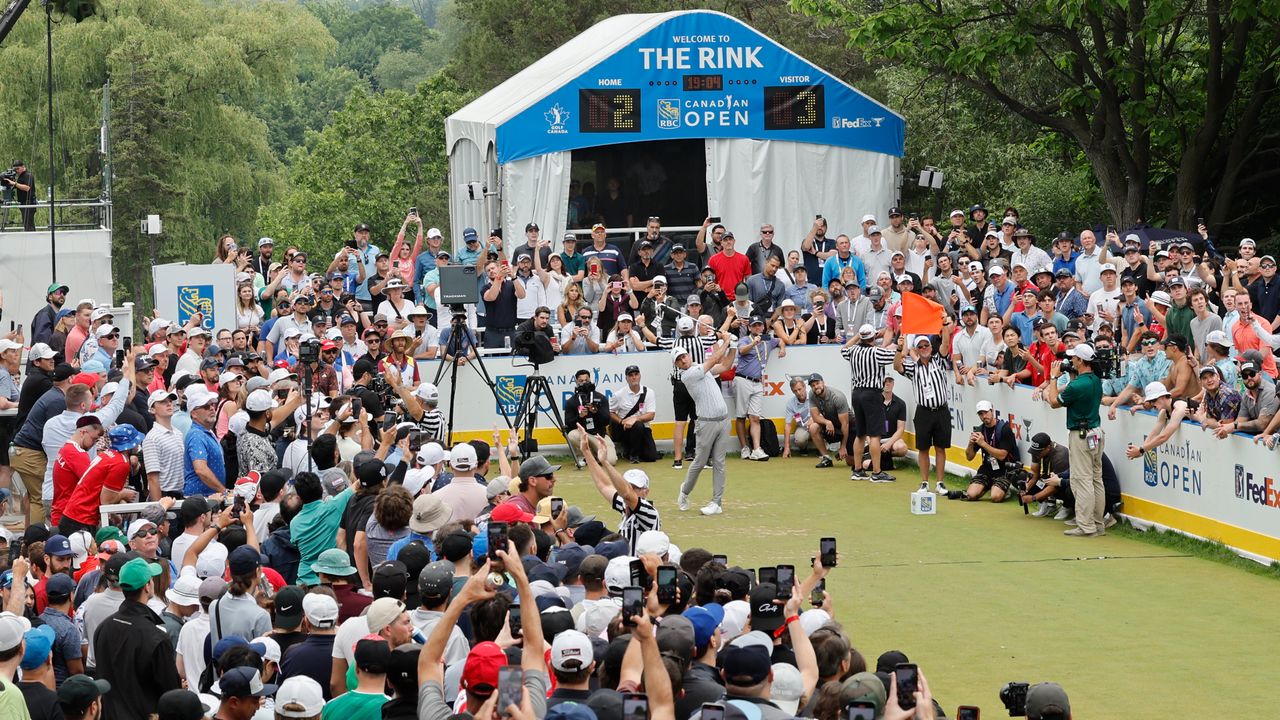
(536, 389)
(460, 337)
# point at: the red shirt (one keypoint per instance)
(1044, 355)
(730, 270)
(109, 470)
(68, 468)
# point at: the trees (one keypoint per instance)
(1164, 98)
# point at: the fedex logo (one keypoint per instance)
(1262, 492)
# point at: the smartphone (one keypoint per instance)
(751, 573)
(497, 536)
(861, 711)
(557, 506)
(722, 559)
(666, 584)
(510, 687)
(713, 711)
(128, 344)
(1199, 221)
(413, 211)
(237, 506)
(635, 706)
(396, 264)
(827, 549)
(968, 712)
(639, 576)
(350, 243)
(513, 619)
(119, 361)
(19, 328)
(357, 404)
(415, 440)
(768, 575)
(906, 676)
(714, 219)
(786, 579)
(816, 597)
(818, 216)
(632, 604)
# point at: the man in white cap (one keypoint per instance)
(1082, 397)
(994, 440)
(197, 342)
(712, 432)
(627, 493)
(867, 364)
(686, 338)
(163, 449)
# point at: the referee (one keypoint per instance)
(867, 364)
(712, 432)
(930, 374)
(687, 339)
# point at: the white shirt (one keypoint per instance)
(387, 309)
(535, 295)
(355, 349)
(466, 497)
(623, 400)
(571, 345)
(972, 349)
(93, 612)
(1089, 270)
(262, 518)
(189, 363)
(874, 261)
(630, 343)
(1104, 300)
(349, 632)
(1032, 260)
(162, 451)
(178, 550)
(191, 646)
(296, 456)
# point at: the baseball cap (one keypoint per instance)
(509, 512)
(1217, 337)
(480, 671)
(571, 651)
(181, 704)
(865, 687)
(136, 573)
(745, 666)
(1084, 351)
(299, 697)
(244, 560)
(786, 688)
(766, 616)
(58, 546)
(866, 331)
(78, 691)
(984, 406)
(463, 457)
(382, 612)
(320, 610)
(653, 542)
(372, 655)
(41, 351)
(436, 579)
(705, 620)
(244, 681)
(1039, 442)
(536, 466)
(637, 478)
(995, 270)
(59, 587)
(1047, 697)
(39, 645)
(677, 352)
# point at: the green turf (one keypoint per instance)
(980, 594)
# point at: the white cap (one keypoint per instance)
(319, 608)
(866, 331)
(755, 638)
(617, 574)
(80, 541)
(109, 389)
(915, 340)
(417, 478)
(736, 614)
(138, 526)
(786, 688)
(1009, 220)
(185, 592)
(873, 230)
(41, 351)
(957, 212)
(894, 254)
(653, 542)
(197, 332)
(463, 457)
(434, 232)
(7, 345)
(291, 333)
(229, 376)
(199, 396)
(159, 396)
(1084, 351)
(1218, 337)
(105, 330)
(660, 279)
(99, 313)
(1107, 267)
(676, 352)
(418, 310)
(258, 401)
(157, 350)
(813, 619)
(1153, 391)
(12, 629)
(625, 316)
(637, 477)
(787, 303)
(1161, 297)
(431, 453)
(995, 270)
(272, 648)
(571, 651)
(984, 406)
(991, 233)
(868, 218)
(1249, 242)
(280, 374)
(428, 392)
(299, 697)
(685, 324)
(974, 265)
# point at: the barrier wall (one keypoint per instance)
(1224, 490)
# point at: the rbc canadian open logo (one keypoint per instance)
(1150, 471)
(668, 114)
(194, 299)
(509, 389)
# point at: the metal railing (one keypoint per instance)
(71, 214)
(633, 234)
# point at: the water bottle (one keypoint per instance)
(506, 343)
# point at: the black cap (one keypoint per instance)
(889, 660)
(362, 227)
(63, 371)
(192, 508)
(402, 667)
(373, 656)
(390, 578)
(371, 473)
(766, 616)
(632, 369)
(894, 211)
(78, 691)
(181, 705)
(677, 247)
(1040, 442)
(289, 607)
(531, 226)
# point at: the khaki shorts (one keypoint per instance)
(748, 397)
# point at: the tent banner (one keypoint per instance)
(701, 75)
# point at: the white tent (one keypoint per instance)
(784, 140)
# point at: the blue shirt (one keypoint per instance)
(201, 444)
(394, 551)
(369, 256)
(466, 256)
(431, 276)
(1143, 372)
(1002, 299)
(1073, 303)
(1069, 264)
(751, 362)
(831, 269)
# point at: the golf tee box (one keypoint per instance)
(924, 502)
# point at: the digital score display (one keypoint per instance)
(693, 83)
(794, 107)
(608, 111)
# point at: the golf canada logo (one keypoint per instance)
(557, 117)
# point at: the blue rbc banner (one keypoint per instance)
(701, 75)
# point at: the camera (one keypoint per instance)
(8, 177)
(1107, 362)
(309, 351)
(1014, 697)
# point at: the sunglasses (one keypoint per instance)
(297, 259)
(766, 232)
(146, 533)
(1267, 265)
(1150, 342)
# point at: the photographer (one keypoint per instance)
(19, 181)
(1001, 466)
(500, 293)
(1049, 482)
(590, 410)
(1082, 397)
(630, 412)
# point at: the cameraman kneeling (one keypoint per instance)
(590, 409)
(1001, 463)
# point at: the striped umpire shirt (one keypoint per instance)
(867, 364)
(696, 345)
(636, 521)
(929, 380)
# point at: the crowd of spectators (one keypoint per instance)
(304, 541)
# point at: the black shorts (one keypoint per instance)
(933, 428)
(868, 412)
(987, 479)
(682, 402)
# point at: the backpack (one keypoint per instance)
(769, 438)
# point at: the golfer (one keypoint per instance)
(1082, 397)
(711, 432)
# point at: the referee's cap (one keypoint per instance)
(918, 339)
(684, 324)
(676, 352)
(866, 331)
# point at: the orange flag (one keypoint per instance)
(920, 315)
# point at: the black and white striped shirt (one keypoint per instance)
(432, 425)
(929, 380)
(867, 364)
(696, 345)
(634, 522)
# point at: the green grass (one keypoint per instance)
(1139, 625)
